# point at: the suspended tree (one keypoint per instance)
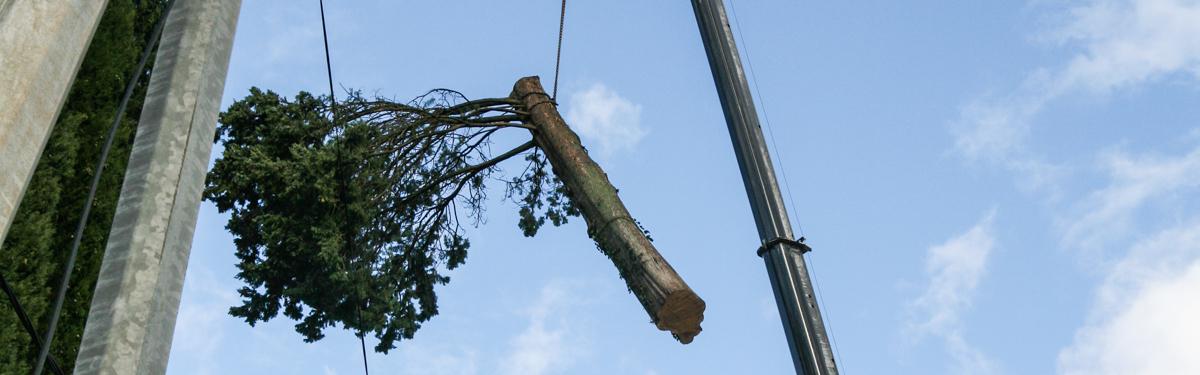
(351, 213)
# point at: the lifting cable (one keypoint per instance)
(762, 102)
(61, 294)
(341, 179)
(562, 17)
(787, 186)
(27, 323)
(333, 109)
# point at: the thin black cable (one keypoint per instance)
(135, 76)
(328, 65)
(827, 317)
(787, 186)
(362, 343)
(562, 17)
(342, 181)
(762, 102)
(27, 323)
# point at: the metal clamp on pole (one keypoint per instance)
(762, 250)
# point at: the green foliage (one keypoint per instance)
(357, 223)
(536, 190)
(36, 246)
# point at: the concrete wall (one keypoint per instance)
(42, 43)
(132, 319)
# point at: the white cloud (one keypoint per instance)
(1129, 42)
(1105, 215)
(996, 131)
(955, 268)
(602, 116)
(992, 131)
(546, 345)
(1143, 317)
(1144, 320)
(1120, 44)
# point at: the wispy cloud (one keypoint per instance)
(1144, 319)
(602, 116)
(954, 269)
(547, 344)
(1106, 214)
(996, 131)
(1129, 42)
(1120, 44)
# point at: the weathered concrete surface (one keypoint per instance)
(42, 44)
(132, 318)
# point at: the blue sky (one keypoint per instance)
(990, 188)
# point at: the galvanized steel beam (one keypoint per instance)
(132, 318)
(42, 44)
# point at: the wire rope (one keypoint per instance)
(341, 179)
(27, 323)
(562, 18)
(783, 171)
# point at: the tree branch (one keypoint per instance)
(425, 188)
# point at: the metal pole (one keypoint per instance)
(42, 44)
(131, 322)
(65, 282)
(811, 353)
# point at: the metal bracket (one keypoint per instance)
(783, 240)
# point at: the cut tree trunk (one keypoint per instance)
(672, 305)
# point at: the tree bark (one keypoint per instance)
(672, 305)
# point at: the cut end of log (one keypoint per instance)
(681, 314)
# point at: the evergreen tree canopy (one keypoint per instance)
(355, 221)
